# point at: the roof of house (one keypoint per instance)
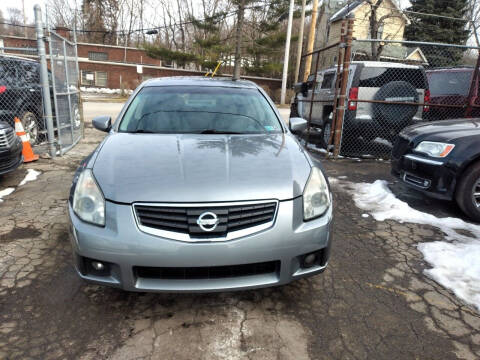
(347, 9)
(397, 52)
(353, 6)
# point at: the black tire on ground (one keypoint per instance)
(30, 125)
(294, 109)
(77, 122)
(326, 130)
(395, 116)
(468, 185)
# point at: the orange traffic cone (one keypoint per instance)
(27, 152)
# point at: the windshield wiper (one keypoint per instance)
(142, 131)
(213, 131)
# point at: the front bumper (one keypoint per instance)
(124, 248)
(433, 177)
(11, 158)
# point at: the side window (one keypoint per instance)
(379, 76)
(327, 82)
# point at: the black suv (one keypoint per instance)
(21, 96)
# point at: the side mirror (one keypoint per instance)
(102, 123)
(297, 125)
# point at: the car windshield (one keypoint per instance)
(200, 110)
(450, 82)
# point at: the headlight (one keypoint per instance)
(88, 201)
(316, 195)
(434, 149)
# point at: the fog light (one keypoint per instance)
(97, 265)
(309, 260)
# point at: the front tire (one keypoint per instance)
(468, 192)
(326, 130)
(30, 125)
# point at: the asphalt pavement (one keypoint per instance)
(373, 301)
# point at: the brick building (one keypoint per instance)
(115, 67)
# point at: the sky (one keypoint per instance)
(5, 4)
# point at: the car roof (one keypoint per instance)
(375, 64)
(452, 69)
(386, 64)
(200, 81)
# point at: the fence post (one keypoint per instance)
(312, 99)
(343, 89)
(340, 61)
(471, 92)
(44, 79)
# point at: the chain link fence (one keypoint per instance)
(22, 92)
(66, 92)
(402, 84)
(405, 83)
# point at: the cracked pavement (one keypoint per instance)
(373, 301)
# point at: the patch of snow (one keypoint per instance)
(5, 192)
(342, 177)
(455, 262)
(31, 176)
(105, 91)
(456, 266)
(365, 215)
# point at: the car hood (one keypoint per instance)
(200, 168)
(446, 130)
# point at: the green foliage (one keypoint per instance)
(165, 54)
(266, 50)
(439, 30)
(271, 69)
(210, 23)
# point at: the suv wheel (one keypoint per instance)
(326, 130)
(394, 117)
(77, 121)
(468, 192)
(30, 125)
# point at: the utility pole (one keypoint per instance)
(287, 53)
(300, 41)
(42, 56)
(238, 41)
(24, 19)
(311, 39)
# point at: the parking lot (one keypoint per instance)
(373, 301)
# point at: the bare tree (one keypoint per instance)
(473, 15)
(15, 17)
(376, 22)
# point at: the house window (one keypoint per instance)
(380, 32)
(97, 56)
(101, 78)
(88, 77)
(94, 78)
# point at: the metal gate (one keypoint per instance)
(66, 92)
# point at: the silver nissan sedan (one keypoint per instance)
(198, 187)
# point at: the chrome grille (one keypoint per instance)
(179, 221)
(7, 137)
